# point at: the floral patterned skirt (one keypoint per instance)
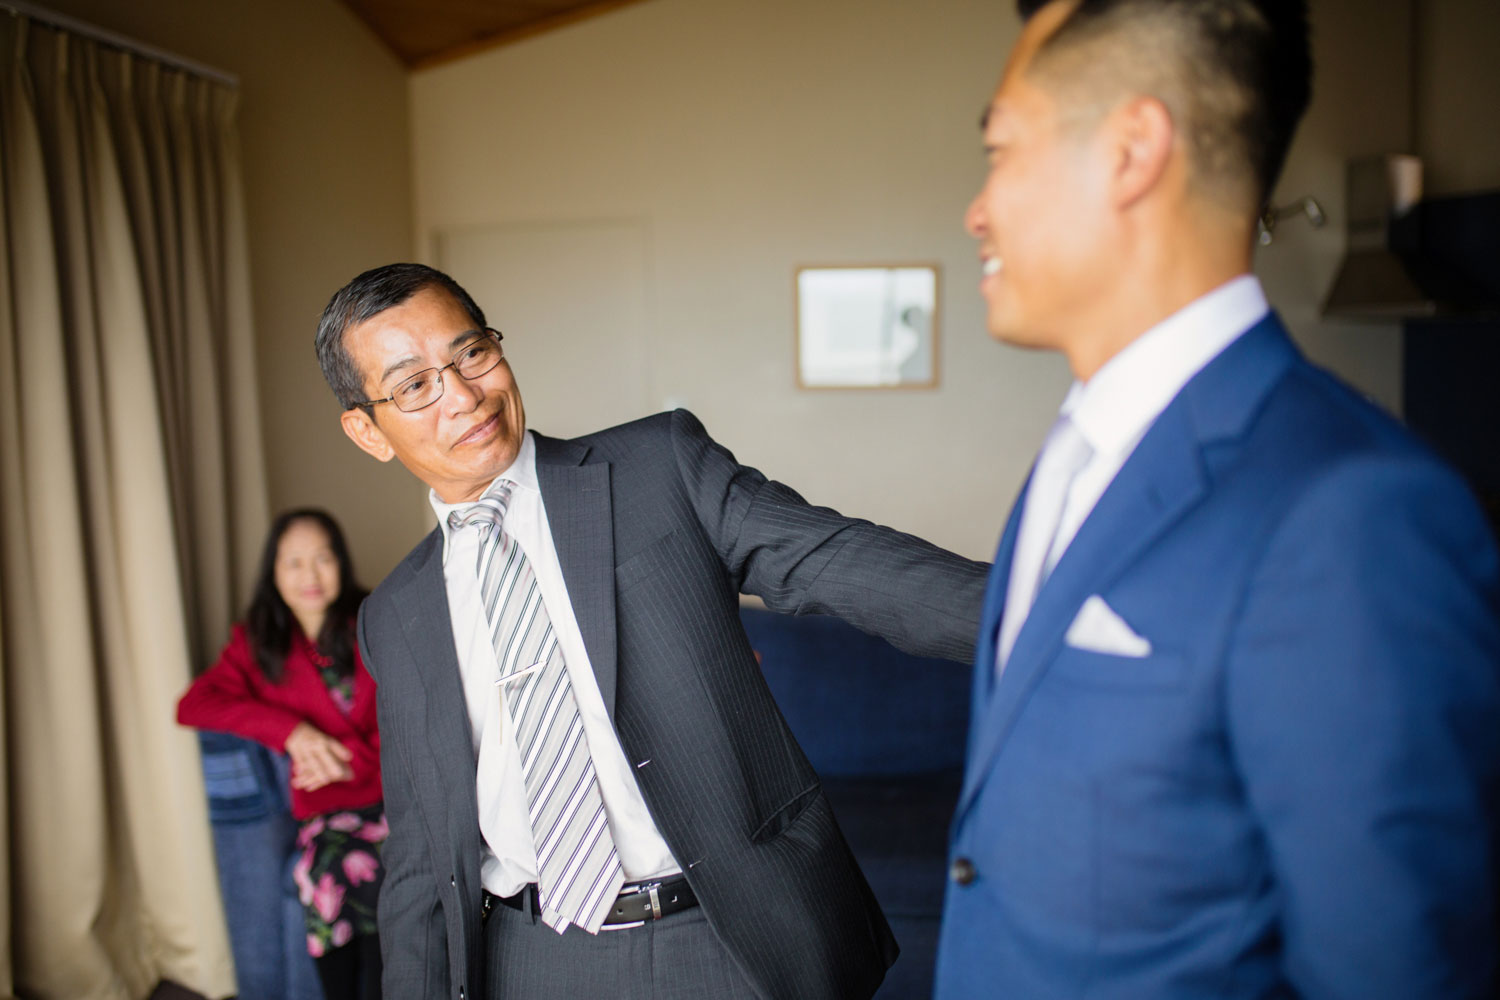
(338, 875)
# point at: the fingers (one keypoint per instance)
(307, 783)
(321, 761)
(324, 768)
(317, 758)
(313, 777)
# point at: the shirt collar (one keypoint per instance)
(1114, 409)
(522, 472)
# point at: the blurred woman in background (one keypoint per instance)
(291, 679)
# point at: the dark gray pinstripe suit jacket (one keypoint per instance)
(657, 530)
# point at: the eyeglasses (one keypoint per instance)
(426, 386)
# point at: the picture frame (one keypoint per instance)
(867, 326)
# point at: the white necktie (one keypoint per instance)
(579, 872)
(1063, 455)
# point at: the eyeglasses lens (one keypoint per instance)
(426, 387)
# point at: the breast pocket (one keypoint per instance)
(1161, 670)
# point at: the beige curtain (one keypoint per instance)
(132, 501)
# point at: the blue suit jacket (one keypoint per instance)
(1294, 793)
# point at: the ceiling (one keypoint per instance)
(426, 32)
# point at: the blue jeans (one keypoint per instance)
(254, 842)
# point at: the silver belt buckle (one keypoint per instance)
(650, 889)
(654, 893)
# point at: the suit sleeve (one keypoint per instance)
(812, 560)
(1362, 698)
(413, 946)
(226, 698)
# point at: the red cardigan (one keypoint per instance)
(234, 696)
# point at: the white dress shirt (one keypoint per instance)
(509, 856)
(1114, 409)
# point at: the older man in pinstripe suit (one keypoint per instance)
(590, 789)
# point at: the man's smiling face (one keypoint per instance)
(460, 443)
(1038, 217)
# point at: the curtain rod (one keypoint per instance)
(109, 38)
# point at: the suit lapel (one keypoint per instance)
(989, 634)
(1163, 479)
(994, 607)
(1156, 486)
(579, 510)
(425, 621)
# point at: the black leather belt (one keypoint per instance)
(637, 903)
(517, 902)
(651, 901)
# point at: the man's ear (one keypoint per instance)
(361, 429)
(1142, 134)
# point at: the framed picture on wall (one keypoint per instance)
(867, 326)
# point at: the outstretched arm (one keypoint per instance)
(812, 560)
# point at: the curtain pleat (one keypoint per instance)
(132, 486)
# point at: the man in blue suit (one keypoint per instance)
(1236, 725)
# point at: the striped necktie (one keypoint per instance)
(579, 873)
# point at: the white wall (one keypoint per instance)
(750, 137)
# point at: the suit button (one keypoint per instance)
(962, 871)
(460, 993)
(453, 880)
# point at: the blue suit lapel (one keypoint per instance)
(989, 630)
(1163, 479)
(579, 509)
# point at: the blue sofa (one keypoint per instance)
(886, 733)
(255, 845)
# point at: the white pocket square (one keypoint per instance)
(1098, 629)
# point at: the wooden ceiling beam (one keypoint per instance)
(395, 21)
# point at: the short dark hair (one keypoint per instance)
(368, 295)
(1239, 74)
